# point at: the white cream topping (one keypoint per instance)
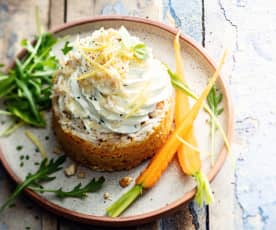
(109, 86)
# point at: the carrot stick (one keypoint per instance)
(182, 102)
(188, 158)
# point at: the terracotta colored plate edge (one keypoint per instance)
(172, 207)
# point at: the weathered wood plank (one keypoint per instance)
(57, 13)
(17, 21)
(79, 9)
(141, 8)
(219, 33)
(186, 15)
(252, 41)
(69, 225)
(48, 221)
(182, 219)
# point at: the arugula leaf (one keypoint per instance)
(45, 169)
(140, 51)
(28, 95)
(79, 191)
(6, 84)
(66, 49)
(44, 174)
(124, 201)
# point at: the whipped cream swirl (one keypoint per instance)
(110, 80)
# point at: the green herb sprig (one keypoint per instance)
(214, 99)
(44, 174)
(26, 88)
(78, 191)
(66, 49)
(120, 205)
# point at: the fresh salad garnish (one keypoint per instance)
(26, 87)
(45, 174)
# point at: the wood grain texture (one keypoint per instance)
(79, 9)
(49, 221)
(152, 9)
(251, 37)
(56, 13)
(219, 34)
(17, 21)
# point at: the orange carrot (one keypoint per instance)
(162, 158)
(182, 102)
(188, 159)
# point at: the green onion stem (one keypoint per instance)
(124, 201)
(204, 193)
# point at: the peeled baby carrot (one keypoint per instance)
(188, 159)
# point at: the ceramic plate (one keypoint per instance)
(173, 189)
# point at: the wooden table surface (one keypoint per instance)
(245, 195)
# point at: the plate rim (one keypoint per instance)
(170, 208)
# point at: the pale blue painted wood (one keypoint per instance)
(187, 16)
